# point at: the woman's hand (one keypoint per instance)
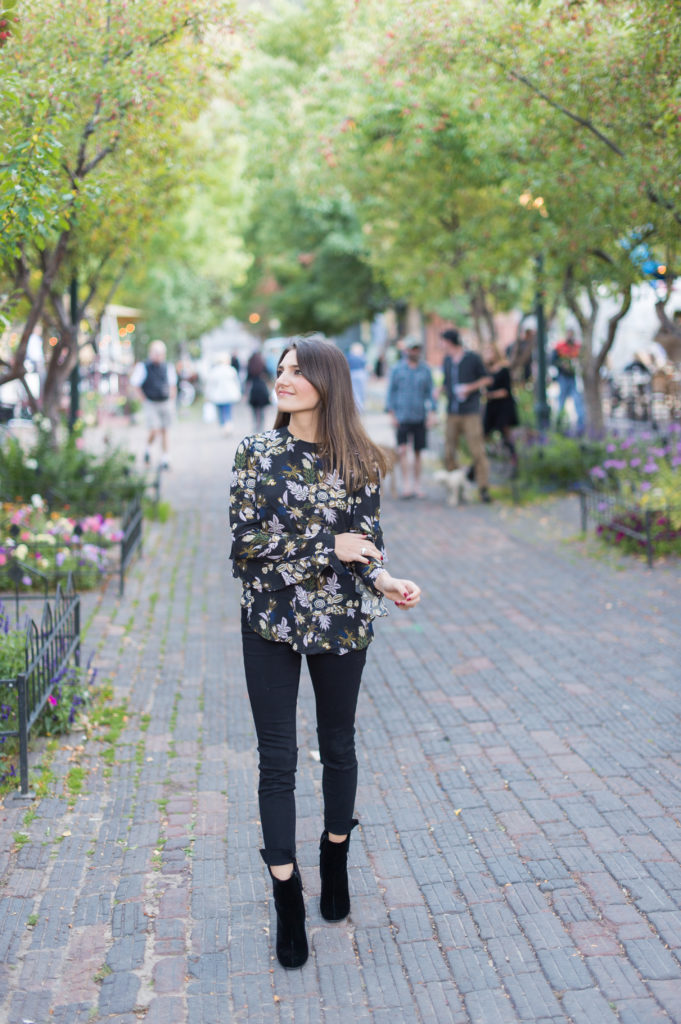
(356, 547)
(405, 593)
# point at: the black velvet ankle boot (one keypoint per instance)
(333, 868)
(291, 945)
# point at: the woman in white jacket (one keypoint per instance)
(223, 389)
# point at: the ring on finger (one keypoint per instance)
(364, 551)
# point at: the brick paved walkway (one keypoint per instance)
(520, 755)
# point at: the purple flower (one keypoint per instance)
(635, 462)
(659, 453)
(676, 461)
(27, 581)
(611, 448)
(646, 485)
(598, 472)
(650, 467)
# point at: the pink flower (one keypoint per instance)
(52, 700)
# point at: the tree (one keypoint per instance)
(309, 267)
(185, 275)
(90, 154)
(453, 114)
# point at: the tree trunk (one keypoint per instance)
(591, 381)
(483, 318)
(62, 362)
(593, 361)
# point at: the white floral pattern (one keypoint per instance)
(285, 510)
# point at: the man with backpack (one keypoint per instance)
(156, 381)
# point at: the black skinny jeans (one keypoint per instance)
(272, 678)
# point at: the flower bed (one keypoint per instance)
(36, 544)
(636, 498)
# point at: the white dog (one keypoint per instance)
(460, 489)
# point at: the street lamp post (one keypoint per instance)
(541, 408)
(74, 378)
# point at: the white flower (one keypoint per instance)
(282, 630)
(45, 424)
(31, 463)
(21, 552)
(299, 491)
(332, 586)
(37, 501)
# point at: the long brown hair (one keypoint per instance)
(343, 443)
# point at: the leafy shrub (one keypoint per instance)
(557, 462)
(67, 476)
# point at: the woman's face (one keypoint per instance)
(294, 392)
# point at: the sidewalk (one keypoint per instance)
(520, 763)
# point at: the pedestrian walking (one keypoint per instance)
(308, 549)
(357, 361)
(257, 388)
(223, 389)
(501, 412)
(464, 379)
(565, 360)
(156, 381)
(411, 404)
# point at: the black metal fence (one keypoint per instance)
(51, 648)
(616, 517)
(131, 540)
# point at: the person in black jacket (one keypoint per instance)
(501, 412)
(465, 378)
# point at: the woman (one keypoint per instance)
(308, 548)
(223, 388)
(501, 412)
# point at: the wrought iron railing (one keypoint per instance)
(131, 540)
(51, 649)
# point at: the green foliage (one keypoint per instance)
(184, 274)
(557, 463)
(314, 253)
(68, 475)
(12, 648)
(91, 155)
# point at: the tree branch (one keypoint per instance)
(613, 324)
(582, 121)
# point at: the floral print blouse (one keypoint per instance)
(285, 510)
